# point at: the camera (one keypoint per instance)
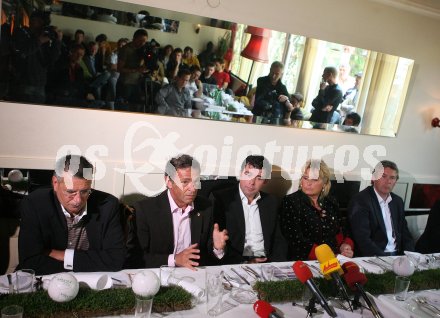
(272, 107)
(273, 95)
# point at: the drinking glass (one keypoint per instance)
(401, 287)
(12, 311)
(143, 307)
(24, 280)
(268, 271)
(214, 291)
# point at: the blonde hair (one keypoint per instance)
(324, 174)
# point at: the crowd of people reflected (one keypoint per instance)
(42, 65)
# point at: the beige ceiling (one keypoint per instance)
(424, 7)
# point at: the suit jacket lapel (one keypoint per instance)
(238, 214)
(165, 219)
(394, 221)
(196, 225)
(265, 219)
(59, 219)
(377, 210)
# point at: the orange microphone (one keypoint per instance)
(327, 260)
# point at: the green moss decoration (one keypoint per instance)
(89, 303)
(291, 290)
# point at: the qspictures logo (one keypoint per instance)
(146, 150)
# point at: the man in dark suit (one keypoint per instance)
(377, 216)
(71, 227)
(428, 241)
(250, 216)
(176, 228)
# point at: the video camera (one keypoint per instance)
(149, 54)
(272, 107)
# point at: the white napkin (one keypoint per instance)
(420, 260)
(394, 308)
(344, 314)
(96, 280)
(168, 279)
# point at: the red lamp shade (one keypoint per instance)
(257, 47)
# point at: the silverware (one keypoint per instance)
(253, 272)
(11, 286)
(421, 301)
(240, 276)
(384, 261)
(375, 264)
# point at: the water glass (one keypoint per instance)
(401, 287)
(214, 291)
(12, 311)
(143, 307)
(24, 280)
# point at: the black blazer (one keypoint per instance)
(368, 227)
(229, 214)
(43, 227)
(428, 242)
(153, 230)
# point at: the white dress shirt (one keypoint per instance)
(254, 240)
(181, 228)
(386, 214)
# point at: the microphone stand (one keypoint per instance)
(341, 290)
(356, 303)
(311, 308)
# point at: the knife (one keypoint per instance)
(241, 277)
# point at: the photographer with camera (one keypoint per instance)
(131, 66)
(35, 50)
(271, 97)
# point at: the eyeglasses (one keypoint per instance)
(82, 193)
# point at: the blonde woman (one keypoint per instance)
(310, 217)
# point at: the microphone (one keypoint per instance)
(331, 268)
(265, 310)
(355, 281)
(305, 276)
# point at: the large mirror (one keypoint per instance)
(370, 93)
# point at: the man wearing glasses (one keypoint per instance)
(71, 227)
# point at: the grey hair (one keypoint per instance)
(75, 165)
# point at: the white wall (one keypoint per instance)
(32, 135)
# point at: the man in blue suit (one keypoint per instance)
(377, 216)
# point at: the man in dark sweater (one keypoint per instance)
(271, 97)
(329, 97)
